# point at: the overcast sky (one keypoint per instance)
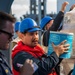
(20, 7)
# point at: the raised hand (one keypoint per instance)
(64, 6)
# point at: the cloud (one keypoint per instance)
(19, 10)
(51, 6)
(19, 7)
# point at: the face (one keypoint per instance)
(6, 35)
(49, 25)
(31, 38)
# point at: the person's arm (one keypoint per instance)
(45, 64)
(57, 21)
(59, 18)
(73, 6)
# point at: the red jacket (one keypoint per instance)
(36, 52)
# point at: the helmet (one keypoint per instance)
(29, 25)
(44, 21)
(16, 27)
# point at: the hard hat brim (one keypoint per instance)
(34, 29)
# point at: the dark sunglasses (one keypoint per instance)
(9, 34)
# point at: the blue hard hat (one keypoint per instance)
(28, 25)
(16, 26)
(44, 21)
